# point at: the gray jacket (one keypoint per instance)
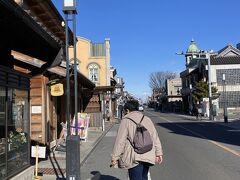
(123, 151)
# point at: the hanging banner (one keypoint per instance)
(57, 89)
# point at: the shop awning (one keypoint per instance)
(82, 80)
(23, 32)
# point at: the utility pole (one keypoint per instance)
(209, 86)
(190, 99)
(225, 100)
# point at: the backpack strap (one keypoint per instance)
(131, 120)
(128, 136)
(141, 119)
(134, 121)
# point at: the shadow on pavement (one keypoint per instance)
(204, 130)
(99, 176)
(57, 170)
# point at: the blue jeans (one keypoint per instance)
(139, 172)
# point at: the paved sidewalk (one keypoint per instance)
(55, 165)
(233, 123)
(97, 166)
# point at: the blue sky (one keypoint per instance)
(146, 34)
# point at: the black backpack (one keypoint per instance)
(142, 140)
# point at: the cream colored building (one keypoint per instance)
(173, 88)
(93, 60)
(94, 63)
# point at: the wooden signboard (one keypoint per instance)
(57, 89)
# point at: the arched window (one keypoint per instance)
(93, 72)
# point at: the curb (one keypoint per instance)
(96, 143)
(190, 117)
(205, 119)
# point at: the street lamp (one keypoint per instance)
(69, 6)
(224, 100)
(73, 141)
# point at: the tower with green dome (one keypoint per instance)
(192, 52)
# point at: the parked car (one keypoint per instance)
(140, 108)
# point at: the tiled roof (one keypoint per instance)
(225, 60)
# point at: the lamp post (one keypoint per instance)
(103, 109)
(73, 141)
(224, 100)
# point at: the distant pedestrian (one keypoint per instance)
(120, 111)
(124, 155)
(199, 112)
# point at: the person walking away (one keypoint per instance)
(124, 155)
(199, 111)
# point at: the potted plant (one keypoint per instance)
(17, 141)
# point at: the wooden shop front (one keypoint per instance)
(21, 31)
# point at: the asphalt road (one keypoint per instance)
(193, 150)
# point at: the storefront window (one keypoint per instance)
(17, 130)
(14, 122)
(3, 144)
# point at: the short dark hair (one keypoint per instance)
(131, 105)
